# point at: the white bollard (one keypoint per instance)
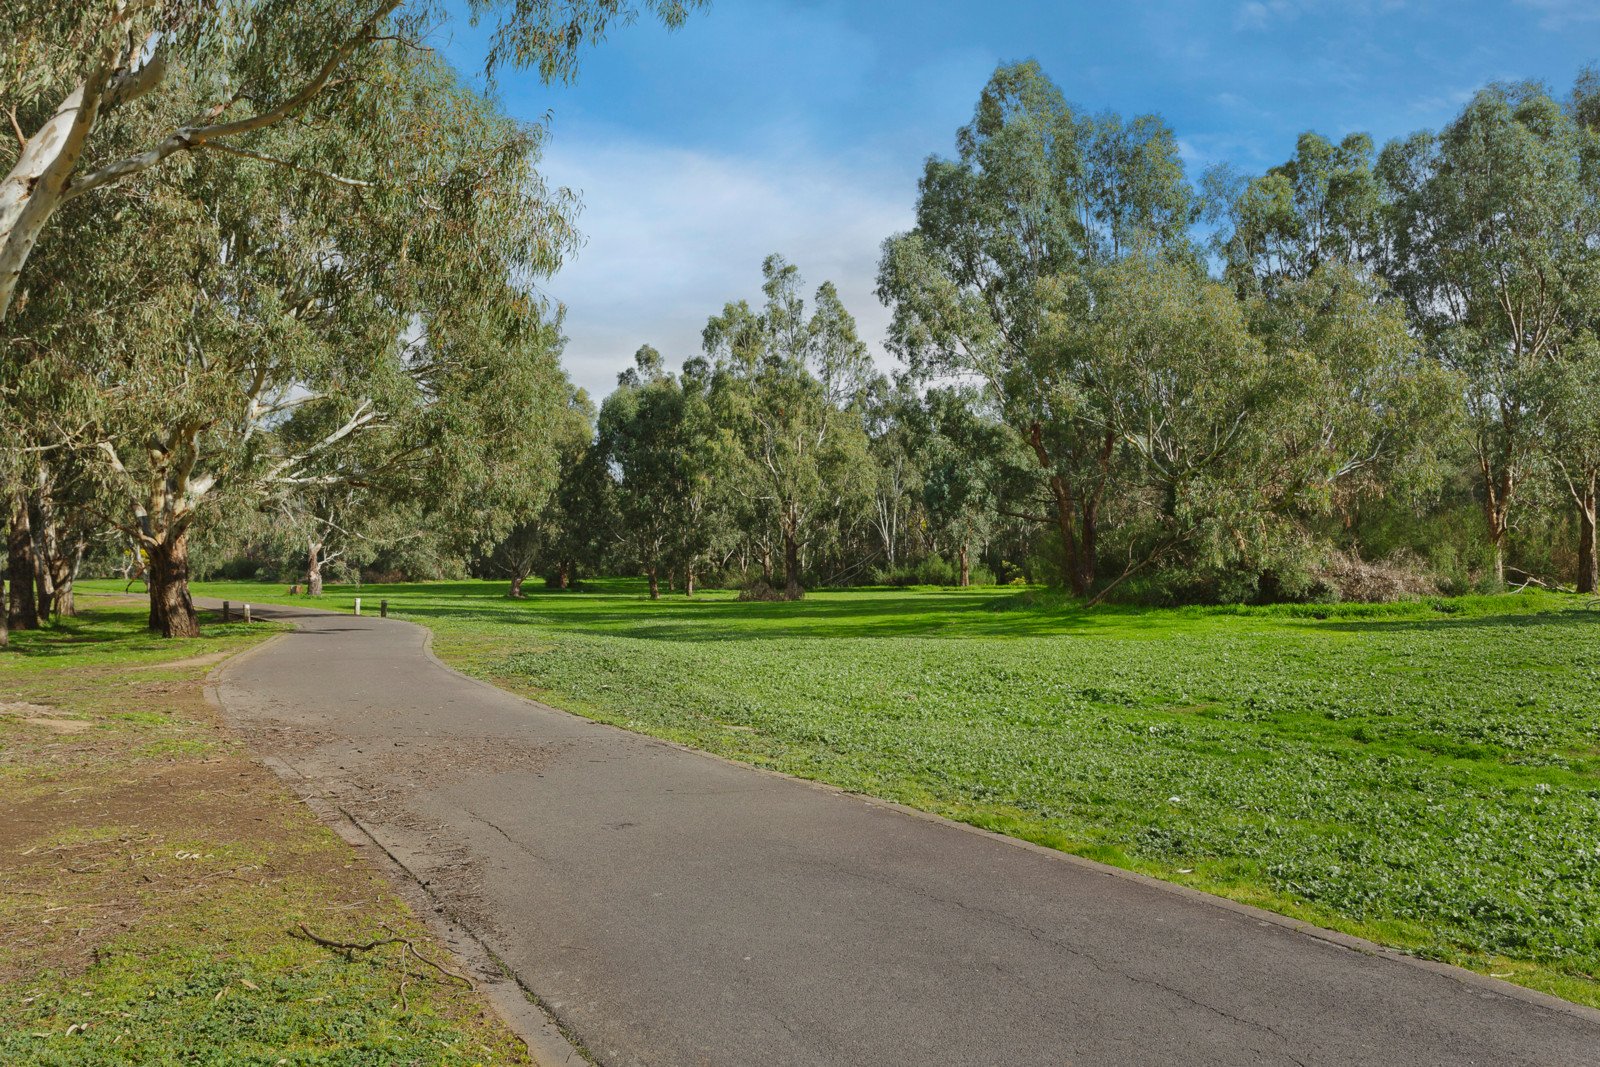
(247, 613)
(358, 605)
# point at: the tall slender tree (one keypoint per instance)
(1489, 237)
(1006, 232)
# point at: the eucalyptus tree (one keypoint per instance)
(1572, 443)
(288, 338)
(1195, 402)
(709, 533)
(1372, 414)
(1573, 434)
(791, 386)
(961, 481)
(642, 431)
(105, 90)
(1320, 207)
(542, 539)
(1490, 238)
(1036, 198)
(898, 436)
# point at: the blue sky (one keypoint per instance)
(800, 126)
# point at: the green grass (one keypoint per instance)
(153, 879)
(1425, 774)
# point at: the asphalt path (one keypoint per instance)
(669, 907)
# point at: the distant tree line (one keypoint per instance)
(308, 346)
(1129, 385)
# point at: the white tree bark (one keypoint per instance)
(43, 178)
(37, 184)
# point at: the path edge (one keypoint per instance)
(548, 1042)
(1484, 984)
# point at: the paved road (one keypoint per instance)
(672, 908)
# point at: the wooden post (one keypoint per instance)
(226, 614)
(383, 608)
(358, 605)
(247, 613)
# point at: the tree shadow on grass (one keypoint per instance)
(621, 608)
(1570, 619)
(825, 614)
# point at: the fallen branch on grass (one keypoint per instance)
(1532, 579)
(365, 946)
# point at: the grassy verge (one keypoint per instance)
(153, 881)
(1426, 775)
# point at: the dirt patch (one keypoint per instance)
(61, 726)
(150, 871)
(22, 707)
(102, 854)
(43, 715)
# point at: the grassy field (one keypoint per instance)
(1426, 775)
(153, 880)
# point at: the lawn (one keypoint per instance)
(154, 879)
(1426, 775)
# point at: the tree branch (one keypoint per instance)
(130, 85)
(356, 183)
(188, 138)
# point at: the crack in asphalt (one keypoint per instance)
(1034, 933)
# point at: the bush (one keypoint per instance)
(978, 574)
(933, 570)
(759, 590)
(1400, 576)
(374, 576)
(1008, 573)
(239, 569)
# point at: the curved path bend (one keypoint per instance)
(672, 908)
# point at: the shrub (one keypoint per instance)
(978, 574)
(759, 590)
(239, 569)
(1399, 576)
(932, 570)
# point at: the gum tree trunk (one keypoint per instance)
(688, 582)
(791, 567)
(655, 584)
(172, 611)
(1077, 515)
(22, 610)
(966, 567)
(1588, 562)
(37, 184)
(516, 585)
(65, 568)
(1499, 483)
(44, 552)
(314, 568)
(5, 629)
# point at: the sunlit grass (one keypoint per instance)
(1425, 774)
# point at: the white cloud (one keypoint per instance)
(672, 235)
(1562, 14)
(1259, 14)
